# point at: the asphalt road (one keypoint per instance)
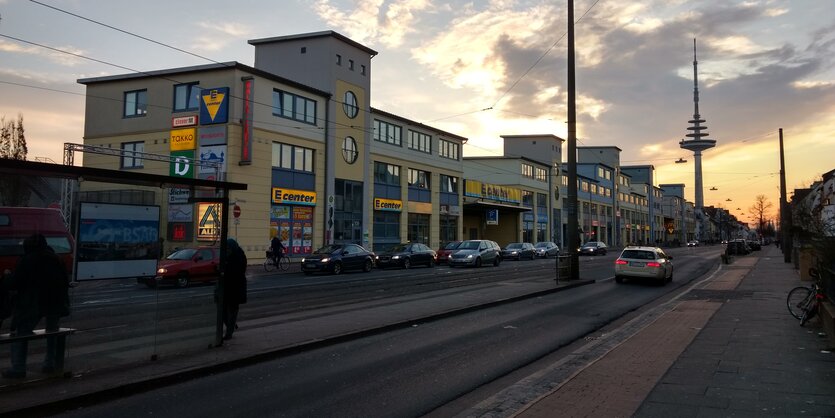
(416, 370)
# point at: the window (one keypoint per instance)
(351, 65)
(541, 200)
(350, 106)
(291, 106)
(527, 170)
(420, 141)
(186, 97)
(584, 186)
(386, 174)
(418, 179)
(418, 228)
(362, 69)
(449, 184)
(338, 59)
(128, 158)
(448, 149)
(291, 157)
(540, 174)
(136, 103)
(527, 198)
(387, 132)
(349, 150)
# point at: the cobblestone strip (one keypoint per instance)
(615, 385)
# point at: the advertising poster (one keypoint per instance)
(307, 238)
(284, 233)
(180, 213)
(297, 238)
(212, 154)
(117, 241)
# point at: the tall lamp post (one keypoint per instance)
(572, 152)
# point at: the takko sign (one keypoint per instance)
(183, 139)
(389, 205)
(294, 197)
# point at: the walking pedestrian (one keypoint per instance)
(234, 286)
(40, 284)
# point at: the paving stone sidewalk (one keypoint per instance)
(753, 359)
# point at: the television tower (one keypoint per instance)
(697, 144)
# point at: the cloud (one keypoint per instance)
(61, 58)
(375, 20)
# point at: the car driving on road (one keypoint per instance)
(593, 248)
(187, 266)
(476, 253)
(406, 255)
(644, 262)
(518, 251)
(546, 249)
(336, 258)
(445, 251)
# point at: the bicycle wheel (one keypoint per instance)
(797, 299)
(269, 264)
(284, 263)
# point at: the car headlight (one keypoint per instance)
(469, 256)
(302, 260)
(513, 253)
(395, 257)
(162, 270)
(326, 259)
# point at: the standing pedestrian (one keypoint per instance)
(41, 285)
(234, 286)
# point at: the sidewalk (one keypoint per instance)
(728, 347)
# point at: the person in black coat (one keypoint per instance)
(41, 286)
(234, 286)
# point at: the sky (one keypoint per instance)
(482, 69)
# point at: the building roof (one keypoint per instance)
(503, 157)
(220, 66)
(310, 35)
(532, 136)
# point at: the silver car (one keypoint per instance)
(644, 262)
(546, 249)
(476, 253)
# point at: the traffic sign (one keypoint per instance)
(236, 211)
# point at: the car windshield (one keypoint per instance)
(328, 249)
(186, 254)
(542, 245)
(590, 244)
(399, 248)
(469, 245)
(638, 254)
(452, 245)
(514, 246)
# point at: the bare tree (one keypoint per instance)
(13, 191)
(760, 211)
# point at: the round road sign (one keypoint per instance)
(236, 211)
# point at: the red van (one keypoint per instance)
(17, 223)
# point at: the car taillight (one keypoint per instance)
(621, 262)
(653, 264)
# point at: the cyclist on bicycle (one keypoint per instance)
(277, 248)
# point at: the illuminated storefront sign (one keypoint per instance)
(214, 106)
(293, 197)
(182, 139)
(388, 205)
(473, 188)
(208, 221)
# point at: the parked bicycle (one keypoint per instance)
(271, 263)
(803, 302)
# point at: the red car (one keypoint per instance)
(187, 266)
(446, 250)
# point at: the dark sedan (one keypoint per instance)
(406, 256)
(593, 248)
(337, 258)
(519, 251)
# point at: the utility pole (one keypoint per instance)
(572, 153)
(785, 215)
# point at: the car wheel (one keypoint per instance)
(670, 279)
(618, 279)
(368, 266)
(337, 268)
(407, 264)
(182, 280)
(478, 262)
(497, 261)
(431, 263)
